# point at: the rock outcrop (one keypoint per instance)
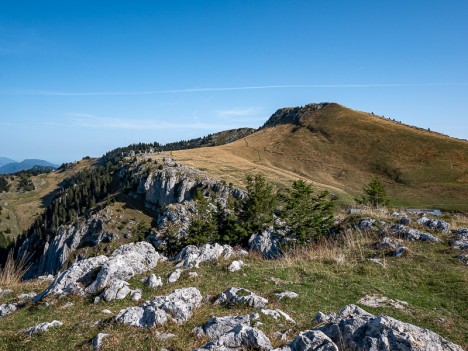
(267, 243)
(310, 340)
(241, 296)
(412, 234)
(460, 239)
(176, 183)
(218, 326)
(191, 256)
(435, 224)
(178, 306)
(57, 251)
(355, 329)
(42, 327)
(241, 337)
(95, 274)
(7, 308)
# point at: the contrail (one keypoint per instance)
(214, 89)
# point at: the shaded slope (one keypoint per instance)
(341, 149)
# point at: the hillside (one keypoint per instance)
(340, 149)
(20, 209)
(24, 165)
(5, 160)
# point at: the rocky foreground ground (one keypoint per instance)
(393, 279)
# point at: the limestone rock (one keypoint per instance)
(152, 281)
(191, 256)
(267, 243)
(310, 340)
(287, 294)
(97, 341)
(412, 234)
(26, 296)
(382, 301)
(366, 224)
(355, 329)
(218, 326)
(7, 308)
(435, 224)
(241, 296)
(235, 266)
(460, 240)
(278, 314)
(239, 338)
(179, 306)
(463, 258)
(43, 327)
(94, 274)
(174, 276)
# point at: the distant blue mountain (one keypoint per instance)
(25, 165)
(6, 160)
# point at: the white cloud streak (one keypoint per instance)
(218, 89)
(87, 121)
(239, 112)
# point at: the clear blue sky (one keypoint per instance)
(80, 78)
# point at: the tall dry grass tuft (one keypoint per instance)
(13, 271)
(349, 247)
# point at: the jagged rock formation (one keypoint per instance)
(57, 251)
(241, 337)
(310, 340)
(394, 246)
(179, 306)
(191, 256)
(176, 183)
(355, 329)
(218, 326)
(93, 275)
(241, 296)
(293, 115)
(267, 243)
(278, 314)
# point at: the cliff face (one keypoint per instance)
(171, 187)
(292, 115)
(176, 183)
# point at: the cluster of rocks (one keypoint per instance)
(411, 234)
(105, 275)
(391, 245)
(177, 306)
(192, 256)
(460, 239)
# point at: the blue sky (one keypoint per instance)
(80, 78)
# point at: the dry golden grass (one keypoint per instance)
(340, 149)
(349, 248)
(13, 271)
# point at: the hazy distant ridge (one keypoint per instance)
(13, 166)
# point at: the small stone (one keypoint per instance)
(193, 275)
(235, 266)
(287, 294)
(382, 301)
(7, 308)
(175, 276)
(97, 341)
(278, 314)
(106, 311)
(152, 281)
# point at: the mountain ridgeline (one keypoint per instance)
(8, 166)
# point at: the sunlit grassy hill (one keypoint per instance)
(340, 149)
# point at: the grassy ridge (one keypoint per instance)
(340, 149)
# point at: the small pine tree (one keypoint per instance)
(257, 211)
(375, 194)
(203, 227)
(309, 216)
